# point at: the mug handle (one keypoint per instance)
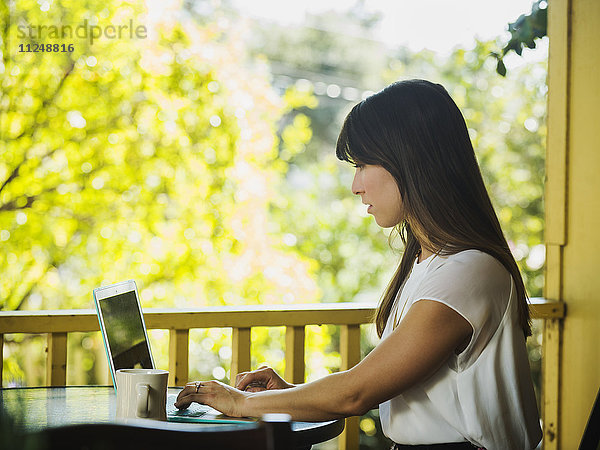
(143, 391)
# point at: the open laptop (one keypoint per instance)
(127, 346)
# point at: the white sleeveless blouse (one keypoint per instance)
(485, 394)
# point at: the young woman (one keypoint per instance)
(451, 368)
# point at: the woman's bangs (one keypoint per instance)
(342, 148)
(351, 146)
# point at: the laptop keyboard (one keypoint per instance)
(194, 410)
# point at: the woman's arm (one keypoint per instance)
(424, 340)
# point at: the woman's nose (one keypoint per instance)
(357, 186)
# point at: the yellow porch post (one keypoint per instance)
(573, 214)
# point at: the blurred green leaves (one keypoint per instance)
(523, 33)
(148, 159)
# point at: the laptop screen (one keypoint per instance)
(125, 332)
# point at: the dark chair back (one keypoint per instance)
(272, 433)
(591, 435)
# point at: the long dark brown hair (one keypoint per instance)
(416, 132)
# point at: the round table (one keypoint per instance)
(36, 408)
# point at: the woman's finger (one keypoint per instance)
(184, 391)
(187, 394)
(251, 379)
(255, 387)
(239, 378)
(246, 379)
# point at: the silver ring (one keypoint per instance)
(198, 385)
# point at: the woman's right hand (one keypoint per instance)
(262, 379)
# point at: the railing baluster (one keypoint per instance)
(1, 357)
(550, 382)
(240, 352)
(294, 354)
(56, 362)
(350, 352)
(178, 357)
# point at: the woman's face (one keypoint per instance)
(378, 189)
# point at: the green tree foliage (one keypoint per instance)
(315, 205)
(151, 159)
(136, 158)
(523, 33)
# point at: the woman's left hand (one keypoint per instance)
(218, 395)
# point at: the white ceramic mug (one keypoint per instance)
(142, 393)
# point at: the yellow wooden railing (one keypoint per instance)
(57, 324)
